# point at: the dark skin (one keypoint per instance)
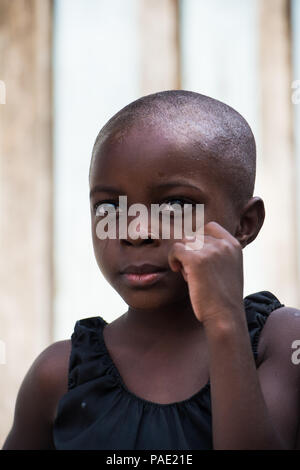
(191, 325)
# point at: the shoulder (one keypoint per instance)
(51, 366)
(281, 325)
(280, 336)
(43, 386)
(49, 373)
(279, 373)
(51, 370)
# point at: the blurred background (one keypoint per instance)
(66, 66)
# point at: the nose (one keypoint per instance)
(140, 235)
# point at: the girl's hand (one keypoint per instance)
(213, 271)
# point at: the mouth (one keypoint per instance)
(141, 275)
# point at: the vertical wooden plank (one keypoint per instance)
(25, 192)
(278, 165)
(159, 46)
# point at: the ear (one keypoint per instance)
(251, 221)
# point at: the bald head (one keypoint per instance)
(210, 128)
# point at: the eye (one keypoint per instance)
(103, 208)
(170, 204)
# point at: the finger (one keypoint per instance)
(177, 256)
(194, 242)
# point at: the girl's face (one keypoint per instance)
(152, 167)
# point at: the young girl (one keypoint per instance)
(191, 364)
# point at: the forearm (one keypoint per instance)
(239, 413)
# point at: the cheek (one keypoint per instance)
(222, 214)
(104, 254)
(100, 246)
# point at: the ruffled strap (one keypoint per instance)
(89, 357)
(258, 307)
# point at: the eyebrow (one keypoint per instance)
(171, 184)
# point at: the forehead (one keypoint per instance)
(149, 153)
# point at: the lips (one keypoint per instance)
(142, 269)
(143, 275)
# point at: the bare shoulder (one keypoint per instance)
(280, 337)
(51, 366)
(44, 384)
(49, 372)
(279, 373)
(285, 317)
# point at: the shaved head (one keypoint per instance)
(207, 127)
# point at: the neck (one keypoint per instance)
(172, 319)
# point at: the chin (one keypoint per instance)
(143, 300)
(151, 297)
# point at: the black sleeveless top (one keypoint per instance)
(99, 412)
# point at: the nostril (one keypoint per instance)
(126, 242)
(138, 241)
